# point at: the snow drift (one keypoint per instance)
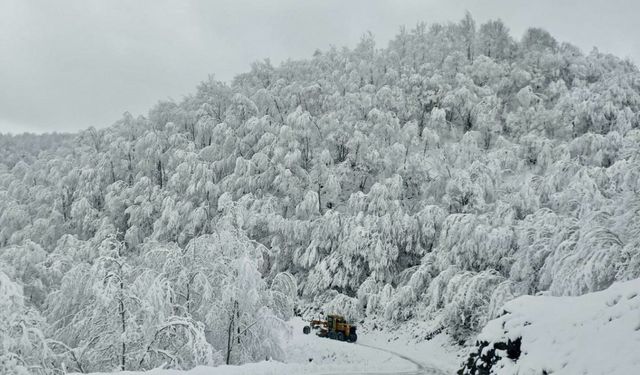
(596, 333)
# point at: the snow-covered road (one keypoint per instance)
(421, 368)
(378, 353)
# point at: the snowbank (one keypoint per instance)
(596, 333)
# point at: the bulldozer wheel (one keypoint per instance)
(332, 335)
(306, 330)
(340, 336)
(352, 337)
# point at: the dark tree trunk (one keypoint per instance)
(230, 332)
(159, 177)
(124, 327)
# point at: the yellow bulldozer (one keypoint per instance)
(334, 327)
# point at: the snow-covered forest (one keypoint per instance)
(432, 179)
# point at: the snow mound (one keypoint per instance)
(596, 333)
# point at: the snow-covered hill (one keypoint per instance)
(425, 182)
(593, 334)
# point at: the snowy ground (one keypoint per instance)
(375, 353)
(596, 333)
(436, 356)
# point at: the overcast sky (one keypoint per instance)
(68, 65)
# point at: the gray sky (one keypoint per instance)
(68, 65)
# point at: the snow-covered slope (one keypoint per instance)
(596, 333)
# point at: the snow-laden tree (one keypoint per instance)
(23, 345)
(110, 315)
(494, 40)
(217, 282)
(284, 293)
(252, 331)
(26, 264)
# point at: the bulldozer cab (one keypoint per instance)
(333, 321)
